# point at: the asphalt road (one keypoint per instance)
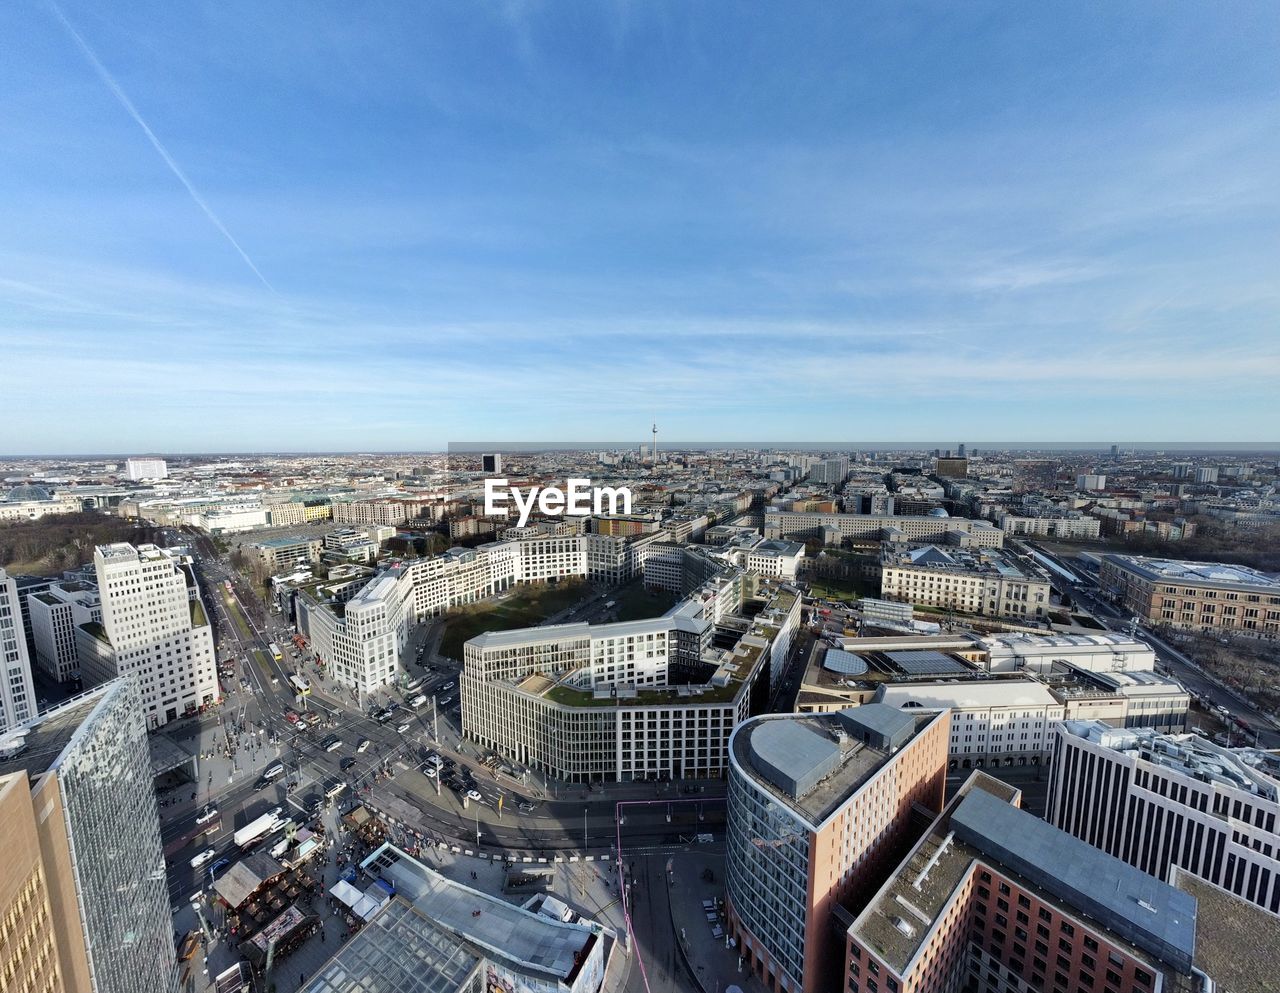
(392, 764)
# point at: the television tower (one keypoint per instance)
(655, 442)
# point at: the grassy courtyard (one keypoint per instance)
(843, 589)
(524, 607)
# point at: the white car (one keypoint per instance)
(363, 746)
(472, 795)
(402, 727)
(206, 815)
(205, 856)
(430, 771)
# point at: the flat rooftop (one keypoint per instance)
(501, 929)
(1237, 942)
(1146, 911)
(1199, 573)
(897, 923)
(802, 746)
(1249, 769)
(977, 694)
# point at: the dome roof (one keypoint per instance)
(28, 491)
(938, 512)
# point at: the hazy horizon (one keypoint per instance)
(1101, 448)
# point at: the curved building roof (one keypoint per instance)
(27, 492)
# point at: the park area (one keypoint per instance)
(843, 589)
(524, 606)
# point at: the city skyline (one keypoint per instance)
(974, 448)
(435, 223)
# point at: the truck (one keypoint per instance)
(256, 829)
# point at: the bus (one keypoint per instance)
(275, 652)
(300, 686)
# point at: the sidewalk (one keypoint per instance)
(715, 965)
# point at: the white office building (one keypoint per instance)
(146, 468)
(17, 691)
(153, 628)
(55, 615)
(360, 632)
(1161, 802)
(983, 581)
(1042, 653)
(993, 721)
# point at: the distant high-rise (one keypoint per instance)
(17, 691)
(146, 468)
(491, 463)
(952, 467)
(960, 450)
(153, 624)
(830, 471)
(84, 905)
(1115, 450)
(1091, 481)
(1207, 474)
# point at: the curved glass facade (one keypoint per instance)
(767, 873)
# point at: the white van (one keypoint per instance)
(417, 701)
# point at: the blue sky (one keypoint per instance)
(389, 226)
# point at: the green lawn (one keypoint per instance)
(524, 607)
(237, 615)
(843, 589)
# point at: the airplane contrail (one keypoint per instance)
(127, 104)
